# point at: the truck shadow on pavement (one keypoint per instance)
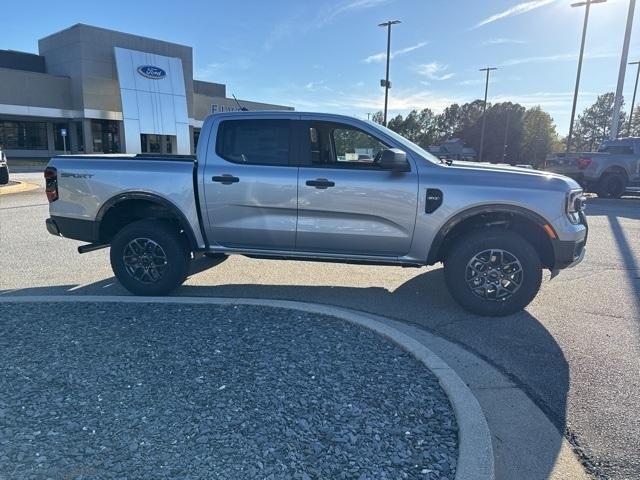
(627, 207)
(518, 345)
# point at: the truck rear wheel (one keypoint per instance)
(493, 272)
(150, 257)
(611, 185)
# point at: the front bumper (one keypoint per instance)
(569, 253)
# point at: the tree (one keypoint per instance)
(448, 123)
(594, 124)
(396, 124)
(498, 117)
(538, 136)
(635, 124)
(377, 117)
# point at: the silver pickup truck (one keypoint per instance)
(306, 186)
(610, 172)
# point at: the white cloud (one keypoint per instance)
(301, 20)
(213, 71)
(434, 71)
(546, 100)
(349, 6)
(318, 85)
(477, 81)
(555, 58)
(502, 41)
(518, 9)
(379, 57)
(358, 5)
(399, 100)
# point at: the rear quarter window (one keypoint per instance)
(254, 142)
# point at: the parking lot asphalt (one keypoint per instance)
(574, 351)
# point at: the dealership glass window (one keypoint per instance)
(258, 142)
(106, 136)
(79, 136)
(150, 143)
(23, 135)
(58, 141)
(196, 137)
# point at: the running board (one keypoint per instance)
(91, 247)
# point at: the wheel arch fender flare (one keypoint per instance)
(148, 197)
(437, 243)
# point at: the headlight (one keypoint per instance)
(576, 203)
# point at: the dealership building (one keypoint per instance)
(93, 90)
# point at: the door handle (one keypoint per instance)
(320, 183)
(225, 179)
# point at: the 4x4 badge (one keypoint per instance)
(434, 200)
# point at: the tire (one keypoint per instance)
(514, 294)
(611, 185)
(158, 257)
(4, 175)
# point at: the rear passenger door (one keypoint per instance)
(250, 184)
(347, 204)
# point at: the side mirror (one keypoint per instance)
(394, 159)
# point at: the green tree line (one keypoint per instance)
(528, 133)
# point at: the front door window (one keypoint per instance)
(343, 146)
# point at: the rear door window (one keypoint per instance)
(255, 142)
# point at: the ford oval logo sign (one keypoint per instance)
(154, 73)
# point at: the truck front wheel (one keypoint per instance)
(150, 257)
(493, 272)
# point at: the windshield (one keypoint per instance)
(400, 139)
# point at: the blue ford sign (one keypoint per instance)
(149, 71)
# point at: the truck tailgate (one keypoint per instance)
(562, 163)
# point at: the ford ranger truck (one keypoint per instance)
(610, 172)
(309, 186)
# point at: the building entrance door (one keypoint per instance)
(163, 144)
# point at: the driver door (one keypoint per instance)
(347, 204)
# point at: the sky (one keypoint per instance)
(329, 55)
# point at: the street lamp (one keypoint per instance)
(385, 83)
(484, 109)
(633, 101)
(617, 102)
(586, 3)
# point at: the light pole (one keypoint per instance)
(506, 137)
(633, 101)
(587, 4)
(617, 102)
(484, 109)
(385, 83)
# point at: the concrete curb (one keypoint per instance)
(475, 451)
(18, 188)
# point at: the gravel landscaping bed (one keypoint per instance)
(137, 391)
